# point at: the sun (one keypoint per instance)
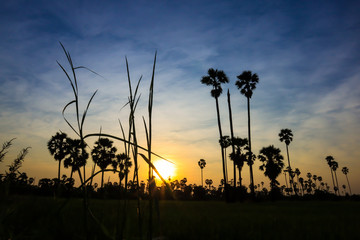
(165, 168)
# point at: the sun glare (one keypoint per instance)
(165, 168)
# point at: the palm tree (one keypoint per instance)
(247, 84)
(225, 142)
(272, 163)
(215, 78)
(329, 160)
(76, 157)
(232, 135)
(297, 173)
(345, 171)
(239, 156)
(57, 146)
(103, 154)
(122, 160)
(209, 182)
(287, 137)
(334, 167)
(202, 164)
(301, 181)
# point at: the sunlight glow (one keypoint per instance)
(165, 168)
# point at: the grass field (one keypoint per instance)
(48, 218)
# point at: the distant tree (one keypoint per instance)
(247, 84)
(209, 182)
(103, 154)
(225, 142)
(301, 181)
(345, 171)
(239, 155)
(202, 164)
(329, 160)
(58, 147)
(215, 78)
(334, 167)
(315, 178)
(123, 162)
(76, 157)
(272, 164)
(286, 136)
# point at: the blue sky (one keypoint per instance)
(306, 54)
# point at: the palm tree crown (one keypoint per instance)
(247, 83)
(272, 163)
(286, 135)
(202, 163)
(215, 78)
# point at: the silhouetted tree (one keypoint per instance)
(345, 171)
(202, 164)
(103, 154)
(247, 83)
(239, 155)
(76, 157)
(334, 167)
(232, 135)
(121, 160)
(329, 160)
(215, 78)
(272, 164)
(209, 182)
(225, 142)
(58, 147)
(286, 136)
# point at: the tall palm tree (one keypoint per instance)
(57, 146)
(215, 78)
(239, 156)
(286, 136)
(247, 84)
(329, 160)
(272, 164)
(202, 164)
(225, 142)
(345, 171)
(232, 135)
(103, 154)
(334, 167)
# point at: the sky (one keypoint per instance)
(306, 54)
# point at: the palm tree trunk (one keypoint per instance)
(250, 152)
(348, 183)
(332, 176)
(102, 179)
(240, 179)
(222, 149)
(232, 135)
(337, 184)
(286, 180)
(59, 170)
(291, 179)
(202, 182)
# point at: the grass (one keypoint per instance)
(47, 218)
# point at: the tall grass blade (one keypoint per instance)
(63, 113)
(87, 108)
